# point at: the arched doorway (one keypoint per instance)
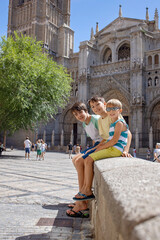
(155, 123)
(69, 124)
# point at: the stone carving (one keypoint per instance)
(137, 63)
(137, 99)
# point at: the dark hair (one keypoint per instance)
(96, 99)
(79, 106)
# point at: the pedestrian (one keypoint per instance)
(74, 149)
(134, 152)
(39, 149)
(78, 149)
(27, 146)
(157, 153)
(32, 147)
(148, 153)
(70, 149)
(1, 148)
(43, 148)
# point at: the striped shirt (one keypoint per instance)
(122, 141)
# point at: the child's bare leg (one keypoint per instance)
(79, 165)
(76, 157)
(88, 173)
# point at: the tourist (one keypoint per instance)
(70, 149)
(27, 146)
(134, 152)
(148, 153)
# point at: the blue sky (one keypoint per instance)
(85, 14)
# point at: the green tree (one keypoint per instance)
(32, 86)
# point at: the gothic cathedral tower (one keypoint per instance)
(45, 20)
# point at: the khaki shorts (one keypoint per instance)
(106, 153)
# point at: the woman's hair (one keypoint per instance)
(96, 99)
(115, 103)
(79, 106)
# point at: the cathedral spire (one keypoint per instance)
(92, 34)
(120, 10)
(147, 14)
(97, 29)
(156, 19)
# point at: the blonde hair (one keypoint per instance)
(158, 145)
(115, 103)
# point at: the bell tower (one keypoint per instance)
(45, 20)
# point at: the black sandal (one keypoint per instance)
(80, 214)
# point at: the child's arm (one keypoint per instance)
(101, 143)
(118, 129)
(126, 148)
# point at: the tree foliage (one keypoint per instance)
(32, 86)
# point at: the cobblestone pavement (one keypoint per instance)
(34, 197)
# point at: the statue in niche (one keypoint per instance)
(134, 98)
(138, 98)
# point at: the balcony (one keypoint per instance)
(121, 66)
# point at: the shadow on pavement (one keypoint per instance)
(10, 156)
(60, 221)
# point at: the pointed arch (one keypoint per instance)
(106, 54)
(123, 50)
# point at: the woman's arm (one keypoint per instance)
(101, 143)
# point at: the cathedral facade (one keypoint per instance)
(120, 61)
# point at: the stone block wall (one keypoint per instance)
(127, 205)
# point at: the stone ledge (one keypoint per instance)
(127, 205)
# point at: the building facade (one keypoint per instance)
(120, 61)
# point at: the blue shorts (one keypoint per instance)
(91, 150)
(27, 150)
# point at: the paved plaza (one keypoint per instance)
(34, 197)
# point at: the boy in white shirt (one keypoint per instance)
(27, 146)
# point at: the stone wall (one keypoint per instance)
(127, 205)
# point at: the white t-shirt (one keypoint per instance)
(92, 128)
(27, 143)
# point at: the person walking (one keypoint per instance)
(43, 148)
(70, 150)
(134, 152)
(27, 146)
(39, 149)
(148, 153)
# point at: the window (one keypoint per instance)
(107, 57)
(124, 51)
(149, 60)
(156, 59)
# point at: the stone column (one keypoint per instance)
(137, 140)
(44, 136)
(62, 138)
(52, 140)
(151, 138)
(71, 137)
